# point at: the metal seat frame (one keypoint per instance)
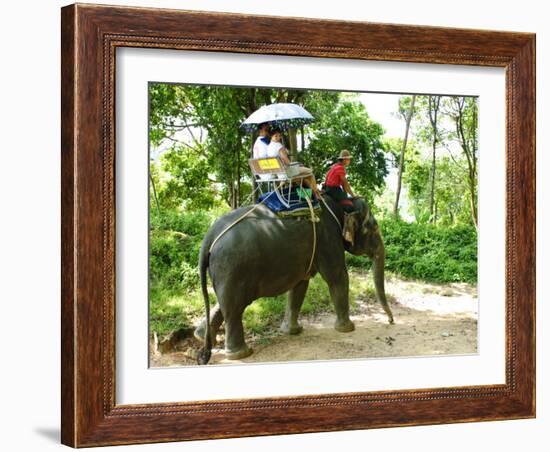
(271, 174)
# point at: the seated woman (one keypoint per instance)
(276, 149)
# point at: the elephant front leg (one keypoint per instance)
(296, 297)
(339, 293)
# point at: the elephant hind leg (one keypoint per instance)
(235, 345)
(296, 297)
(216, 320)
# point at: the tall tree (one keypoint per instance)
(407, 117)
(433, 111)
(463, 111)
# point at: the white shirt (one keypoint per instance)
(273, 149)
(260, 148)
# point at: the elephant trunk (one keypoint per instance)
(206, 352)
(378, 273)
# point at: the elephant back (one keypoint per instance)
(249, 225)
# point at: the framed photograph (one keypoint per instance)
(282, 225)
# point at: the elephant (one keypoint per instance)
(265, 255)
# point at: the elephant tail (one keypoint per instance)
(206, 352)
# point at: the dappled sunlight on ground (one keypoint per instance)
(458, 299)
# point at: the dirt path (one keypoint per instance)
(430, 319)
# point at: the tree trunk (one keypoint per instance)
(432, 184)
(473, 203)
(154, 194)
(433, 109)
(252, 107)
(231, 187)
(402, 158)
(473, 177)
(292, 145)
(469, 148)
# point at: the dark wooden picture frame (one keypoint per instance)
(90, 35)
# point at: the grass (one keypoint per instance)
(170, 310)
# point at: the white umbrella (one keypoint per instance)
(284, 116)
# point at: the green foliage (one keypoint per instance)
(167, 103)
(347, 125)
(186, 183)
(428, 108)
(175, 241)
(404, 105)
(428, 252)
(393, 149)
(416, 177)
(170, 310)
(455, 187)
(219, 110)
(451, 190)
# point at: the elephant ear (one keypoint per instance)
(351, 223)
(369, 222)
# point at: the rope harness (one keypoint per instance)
(242, 217)
(332, 213)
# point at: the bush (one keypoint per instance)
(429, 252)
(174, 249)
(175, 240)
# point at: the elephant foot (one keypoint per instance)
(242, 353)
(199, 334)
(288, 329)
(345, 326)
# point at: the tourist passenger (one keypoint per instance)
(276, 149)
(262, 142)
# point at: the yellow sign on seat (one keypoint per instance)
(269, 164)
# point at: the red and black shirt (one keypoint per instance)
(336, 175)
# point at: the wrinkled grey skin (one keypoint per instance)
(264, 256)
